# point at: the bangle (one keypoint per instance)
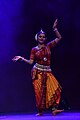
(55, 29)
(22, 58)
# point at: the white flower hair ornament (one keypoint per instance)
(36, 37)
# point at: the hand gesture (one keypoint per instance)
(55, 23)
(16, 58)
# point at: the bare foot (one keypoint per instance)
(57, 111)
(39, 114)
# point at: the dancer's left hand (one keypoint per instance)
(55, 23)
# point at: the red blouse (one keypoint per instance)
(42, 56)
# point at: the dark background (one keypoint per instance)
(20, 20)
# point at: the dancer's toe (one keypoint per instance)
(39, 114)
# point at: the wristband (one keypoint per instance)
(55, 29)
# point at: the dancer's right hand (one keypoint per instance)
(16, 58)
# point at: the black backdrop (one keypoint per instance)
(20, 20)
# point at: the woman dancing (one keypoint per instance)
(46, 87)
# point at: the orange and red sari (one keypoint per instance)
(47, 89)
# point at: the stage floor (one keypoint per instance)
(48, 116)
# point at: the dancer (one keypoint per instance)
(46, 87)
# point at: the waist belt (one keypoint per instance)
(42, 67)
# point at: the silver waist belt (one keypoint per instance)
(42, 67)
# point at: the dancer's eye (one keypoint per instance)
(42, 36)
